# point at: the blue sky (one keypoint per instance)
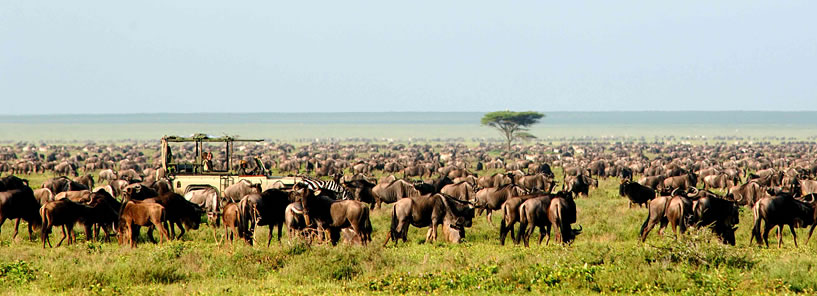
(352, 56)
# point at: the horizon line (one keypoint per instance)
(371, 112)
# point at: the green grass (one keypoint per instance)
(606, 258)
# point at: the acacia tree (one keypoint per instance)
(513, 125)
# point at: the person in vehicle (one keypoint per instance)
(207, 162)
(243, 168)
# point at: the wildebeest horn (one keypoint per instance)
(693, 192)
(579, 230)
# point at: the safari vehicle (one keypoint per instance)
(185, 177)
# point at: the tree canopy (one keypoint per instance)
(513, 125)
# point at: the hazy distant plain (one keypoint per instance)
(402, 126)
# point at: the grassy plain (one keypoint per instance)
(607, 258)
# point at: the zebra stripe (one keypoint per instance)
(317, 184)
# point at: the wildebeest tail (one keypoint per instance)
(564, 227)
(393, 227)
(46, 221)
(367, 225)
(756, 227)
(505, 215)
(243, 220)
(644, 225)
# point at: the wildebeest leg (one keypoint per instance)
(163, 233)
(510, 228)
(403, 226)
(134, 234)
(150, 234)
(503, 231)
(181, 229)
(64, 235)
(44, 234)
(72, 237)
(269, 237)
(107, 229)
(779, 236)
(674, 228)
(488, 215)
(547, 233)
(647, 229)
(541, 234)
(663, 226)
(810, 231)
(169, 227)
(16, 226)
(793, 234)
(766, 230)
(31, 233)
(528, 233)
(280, 232)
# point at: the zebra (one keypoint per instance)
(317, 184)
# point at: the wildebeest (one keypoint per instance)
(653, 182)
(80, 196)
(208, 200)
(718, 181)
(235, 192)
(747, 194)
(546, 211)
(232, 224)
(178, 212)
(86, 180)
(807, 187)
(63, 213)
(637, 193)
(104, 214)
(682, 182)
(533, 213)
(392, 192)
(332, 215)
(17, 201)
(510, 211)
(267, 208)
(430, 210)
(491, 199)
(495, 180)
(435, 186)
(538, 182)
(675, 209)
(107, 175)
(66, 168)
(294, 219)
(43, 195)
(779, 211)
(462, 191)
(719, 214)
(562, 213)
(62, 184)
(138, 192)
(578, 185)
(361, 190)
(138, 213)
